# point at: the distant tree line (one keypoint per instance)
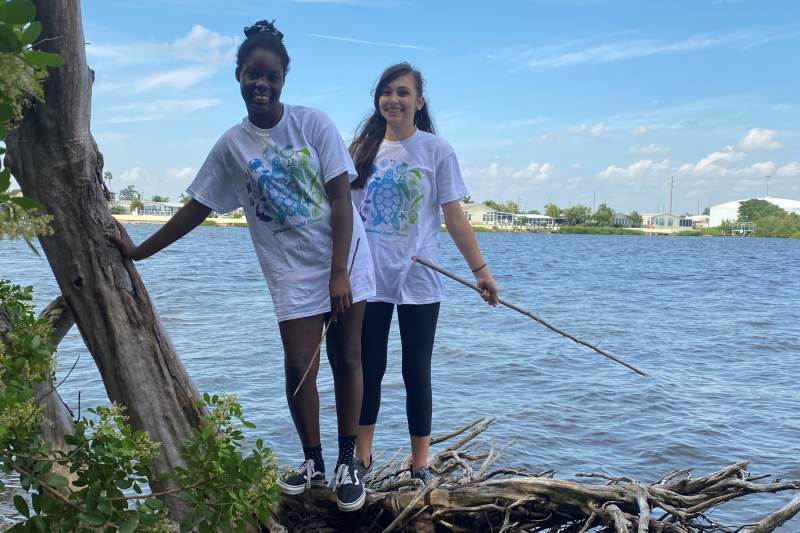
(769, 219)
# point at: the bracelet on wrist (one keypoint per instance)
(476, 270)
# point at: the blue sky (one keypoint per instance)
(542, 99)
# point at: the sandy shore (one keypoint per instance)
(155, 219)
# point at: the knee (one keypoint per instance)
(294, 367)
(346, 362)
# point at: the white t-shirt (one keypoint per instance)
(277, 175)
(401, 209)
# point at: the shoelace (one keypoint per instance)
(308, 468)
(343, 476)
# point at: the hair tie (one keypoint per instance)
(263, 26)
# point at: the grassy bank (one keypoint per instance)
(599, 230)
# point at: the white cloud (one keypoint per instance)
(582, 130)
(760, 139)
(362, 41)
(134, 175)
(521, 123)
(181, 78)
(594, 130)
(546, 138)
(202, 45)
(605, 50)
(640, 130)
(532, 174)
(181, 174)
(789, 170)
(719, 165)
(649, 150)
(642, 169)
(199, 45)
(178, 79)
(712, 165)
(156, 110)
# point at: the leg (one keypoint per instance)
(374, 343)
(300, 339)
(417, 332)
(344, 354)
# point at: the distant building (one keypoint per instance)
(166, 209)
(621, 220)
(482, 215)
(647, 219)
(699, 221)
(730, 210)
(667, 221)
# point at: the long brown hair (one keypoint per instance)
(371, 131)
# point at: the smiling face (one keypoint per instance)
(261, 79)
(398, 101)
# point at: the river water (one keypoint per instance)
(714, 321)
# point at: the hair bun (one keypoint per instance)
(263, 26)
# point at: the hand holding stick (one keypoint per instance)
(528, 314)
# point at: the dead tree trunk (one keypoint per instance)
(56, 162)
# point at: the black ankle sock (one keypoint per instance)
(315, 453)
(347, 449)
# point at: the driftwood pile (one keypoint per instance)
(471, 495)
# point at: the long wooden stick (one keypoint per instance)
(325, 328)
(452, 276)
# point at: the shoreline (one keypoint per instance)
(160, 219)
(568, 230)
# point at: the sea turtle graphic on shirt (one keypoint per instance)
(284, 186)
(393, 196)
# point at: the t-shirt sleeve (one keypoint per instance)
(449, 183)
(215, 185)
(334, 159)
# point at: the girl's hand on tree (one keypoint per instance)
(489, 291)
(341, 294)
(123, 241)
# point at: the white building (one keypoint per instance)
(730, 210)
(699, 221)
(621, 220)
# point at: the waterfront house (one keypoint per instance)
(667, 221)
(621, 220)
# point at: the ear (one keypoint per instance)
(420, 102)
(236, 73)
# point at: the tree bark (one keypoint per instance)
(55, 160)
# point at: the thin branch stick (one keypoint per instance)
(397, 522)
(529, 315)
(325, 328)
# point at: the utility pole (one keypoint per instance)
(767, 184)
(671, 179)
(594, 196)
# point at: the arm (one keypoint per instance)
(338, 190)
(462, 235)
(185, 220)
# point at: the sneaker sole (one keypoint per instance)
(355, 506)
(293, 490)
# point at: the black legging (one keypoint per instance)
(417, 331)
